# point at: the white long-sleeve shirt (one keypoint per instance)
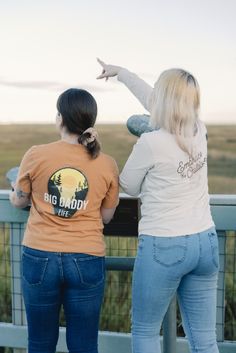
(173, 187)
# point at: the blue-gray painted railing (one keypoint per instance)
(15, 334)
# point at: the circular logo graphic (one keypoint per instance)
(67, 191)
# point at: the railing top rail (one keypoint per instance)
(125, 222)
(215, 199)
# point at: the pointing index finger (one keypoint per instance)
(101, 62)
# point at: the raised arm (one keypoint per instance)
(140, 89)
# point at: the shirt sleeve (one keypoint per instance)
(24, 176)
(111, 199)
(141, 90)
(139, 162)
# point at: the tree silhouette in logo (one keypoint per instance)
(67, 206)
(58, 180)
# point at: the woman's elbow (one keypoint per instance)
(19, 202)
(129, 189)
(134, 193)
(107, 214)
(106, 220)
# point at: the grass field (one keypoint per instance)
(118, 142)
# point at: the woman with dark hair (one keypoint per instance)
(73, 190)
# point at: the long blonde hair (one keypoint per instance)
(174, 105)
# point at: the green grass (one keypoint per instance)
(118, 142)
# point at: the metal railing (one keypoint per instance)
(121, 237)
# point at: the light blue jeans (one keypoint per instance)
(187, 265)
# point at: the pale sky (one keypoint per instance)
(48, 46)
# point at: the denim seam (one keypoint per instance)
(88, 258)
(212, 248)
(200, 250)
(140, 246)
(61, 267)
(190, 329)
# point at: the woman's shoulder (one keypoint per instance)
(106, 161)
(45, 146)
(153, 137)
(38, 151)
(106, 158)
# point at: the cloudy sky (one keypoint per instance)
(48, 46)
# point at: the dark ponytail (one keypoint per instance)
(93, 147)
(78, 110)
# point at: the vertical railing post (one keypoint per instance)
(220, 310)
(18, 311)
(169, 329)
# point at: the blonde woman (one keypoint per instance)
(178, 245)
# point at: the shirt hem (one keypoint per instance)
(157, 233)
(64, 250)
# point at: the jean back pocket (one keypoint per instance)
(91, 270)
(169, 251)
(33, 268)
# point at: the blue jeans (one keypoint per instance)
(50, 280)
(187, 265)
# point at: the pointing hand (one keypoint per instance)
(108, 70)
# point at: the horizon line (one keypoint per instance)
(229, 123)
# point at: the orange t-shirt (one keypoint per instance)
(67, 190)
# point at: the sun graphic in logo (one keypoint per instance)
(67, 190)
